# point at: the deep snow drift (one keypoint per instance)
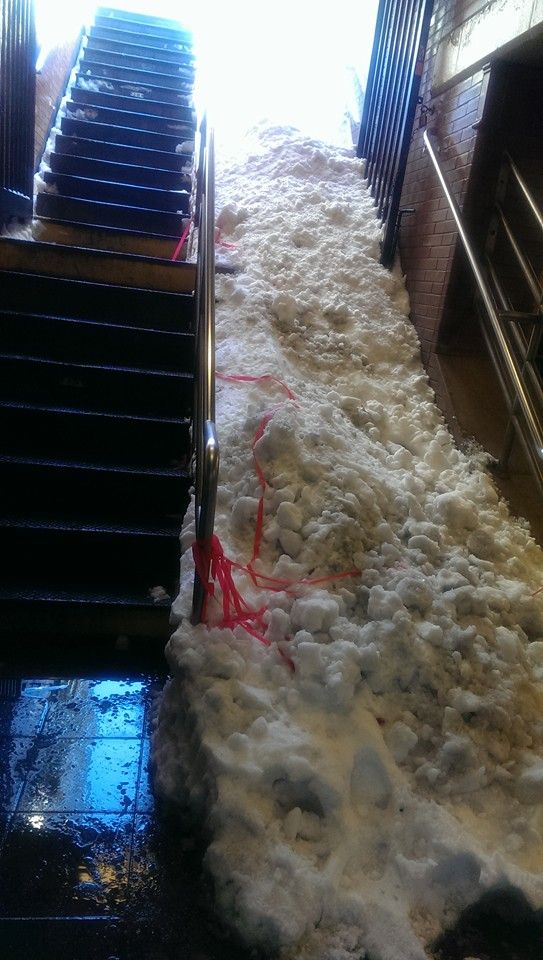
(358, 801)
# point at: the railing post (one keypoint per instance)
(17, 106)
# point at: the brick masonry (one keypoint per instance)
(428, 238)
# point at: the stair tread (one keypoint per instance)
(97, 40)
(179, 335)
(102, 215)
(168, 80)
(135, 20)
(102, 130)
(111, 368)
(88, 254)
(90, 465)
(117, 172)
(111, 33)
(105, 98)
(127, 115)
(52, 522)
(116, 57)
(81, 412)
(133, 88)
(50, 593)
(135, 192)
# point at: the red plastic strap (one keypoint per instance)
(235, 610)
(182, 239)
(264, 378)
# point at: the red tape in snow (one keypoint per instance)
(235, 610)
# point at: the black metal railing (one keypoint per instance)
(390, 102)
(17, 99)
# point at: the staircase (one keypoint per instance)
(118, 174)
(97, 347)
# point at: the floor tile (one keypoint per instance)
(65, 865)
(169, 904)
(21, 717)
(17, 757)
(60, 939)
(145, 800)
(83, 775)
(97, 708)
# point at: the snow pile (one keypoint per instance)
(357, 802)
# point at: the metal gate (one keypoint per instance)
(17, 99)
(396, 65)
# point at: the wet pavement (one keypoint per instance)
(90, 869)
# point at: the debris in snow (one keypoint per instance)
(358, 802)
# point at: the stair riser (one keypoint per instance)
(141, 49)
(136, 76)
(184, 70)
(121, 135)
(116, 153)
(145, 90)
(61, 436)
(79, 342)
(96, 301)
(132, 104)
(123, 495)
(126, 119)
(72, 210)
(118, 173)
(117, 193)
(134, 26)
(78, 557)
(128, 36)
(94, 389)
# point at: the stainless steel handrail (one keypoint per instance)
(206, 445)
(529, 410)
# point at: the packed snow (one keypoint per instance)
(378, 765)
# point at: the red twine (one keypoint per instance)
(182, 239)
(211, 557)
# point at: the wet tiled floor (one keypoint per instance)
(89, 869)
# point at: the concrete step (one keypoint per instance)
(148, 198)
(83, 110)
(126, 173)
(152, 107)
(73, 210)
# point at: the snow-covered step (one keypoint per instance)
(139, 47)
(125, 173)
(146, 25)
(50, 279)
(124, 194)
(149, 89)
(99, 386)
(104, 98)
(120, 35)
(129, 136)
(100, 69)
(83, 110)
(83, 146)
(67, 339)
(60, 432)
(155, 64)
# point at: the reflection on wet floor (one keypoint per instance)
(88, 870)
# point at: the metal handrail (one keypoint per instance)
(525, 402)
(206, 445)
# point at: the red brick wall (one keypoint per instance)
(428, 237)
(50, 83)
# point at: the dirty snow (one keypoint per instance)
(356, 803)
